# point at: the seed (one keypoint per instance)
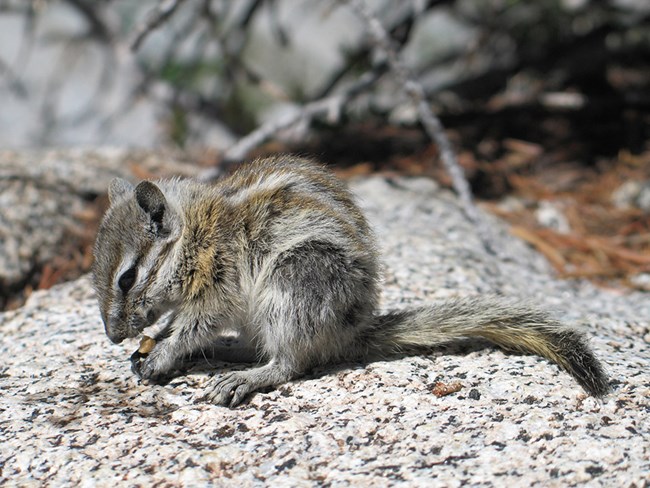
(146, 345)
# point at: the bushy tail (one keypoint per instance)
(509, 325)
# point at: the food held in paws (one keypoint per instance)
(146, 345)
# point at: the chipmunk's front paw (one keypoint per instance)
(152, 367)
(137, 358)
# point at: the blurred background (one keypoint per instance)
(199, 74)
(546, 103)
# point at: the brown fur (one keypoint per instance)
(280, 252)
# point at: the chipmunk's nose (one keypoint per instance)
(112, 334)
(115, 339)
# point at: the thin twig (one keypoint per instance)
(97, 27)
(399, 29)
(14, 84)
(431, 123)
(329, 105)
(165, 10)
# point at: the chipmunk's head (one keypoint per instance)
(131, 272)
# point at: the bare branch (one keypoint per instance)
(27, 41)
(429, 120)
(14, 84)
(68, 57)
(398, 28)
(97, 27)
(331, 106)
(165, 10)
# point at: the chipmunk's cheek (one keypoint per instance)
(150, 317)
(135, 324)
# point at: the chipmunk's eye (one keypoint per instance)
(127, 280)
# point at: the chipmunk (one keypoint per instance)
(280, 252)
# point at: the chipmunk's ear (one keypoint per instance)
(118, 190)
(152, 201)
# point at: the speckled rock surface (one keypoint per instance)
(72, 413)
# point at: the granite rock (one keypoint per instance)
(72, 413)
(48, 201)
